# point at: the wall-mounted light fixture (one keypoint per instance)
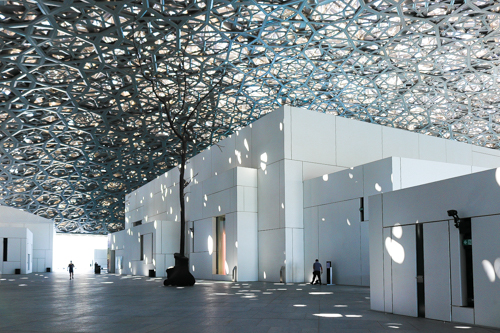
(454, 213)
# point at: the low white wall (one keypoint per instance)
(393, 217)
(19, 250)
(43, 234)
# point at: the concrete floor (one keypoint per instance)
(50, 302)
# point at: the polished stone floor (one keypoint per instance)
(50, 302)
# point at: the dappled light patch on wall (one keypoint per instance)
(263, 161)
(491, 271)
(395, 250)
(210, 245)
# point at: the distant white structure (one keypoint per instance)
(256, 206)
(421, 264)
(27, 241)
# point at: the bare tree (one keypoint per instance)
(187, 94)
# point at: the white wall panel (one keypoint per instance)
(231, 238)
(267, 138)
(377, 177)
(316, 145)
(14, 249)
(298, 255)
(356, 136)
(404, 285)
(271, 254)
(313, 170)
(311, 240)
(462, 314)
(170, 235)
(243, 148)
(9, 267)
(365, 254)
(294, 255)
(399, 143)
(339, 186)
(458, 152)
(460, 193)
(196, 199)
(201, 165)
(43, 235)
(485, 150)
(339, 229)
(418, 172)
(220, 203)
(293, 202)
(247, 236)
(159, 261)
(286, 127)
(269, 197)
(245, 177)
(246, 199)
(222, 181)
(202, 234)
(436, 271)
(486, 266)
(432, 148)
(376, 254)
(485, 160)
(147, 248)
(396, 174)
(202, 264)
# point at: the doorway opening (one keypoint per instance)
(220, 232)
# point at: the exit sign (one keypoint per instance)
(467, 242)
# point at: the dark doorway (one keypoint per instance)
(420, 270)
(466, 257)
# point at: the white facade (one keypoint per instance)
(233, 194)
(393, 251)
(43, 234)
(18, 252)
(284, 149)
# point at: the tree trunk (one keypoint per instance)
(179, 275)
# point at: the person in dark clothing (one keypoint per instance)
(71, 266)
(317, 271)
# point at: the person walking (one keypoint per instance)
(71, 267)
(317, 271)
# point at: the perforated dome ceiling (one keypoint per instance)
(79, 127)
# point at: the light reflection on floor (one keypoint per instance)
(114, 303)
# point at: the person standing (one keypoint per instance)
(317, 271)
(71, 266)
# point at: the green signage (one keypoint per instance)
(467, 242)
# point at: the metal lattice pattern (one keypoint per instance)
(79, 127)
